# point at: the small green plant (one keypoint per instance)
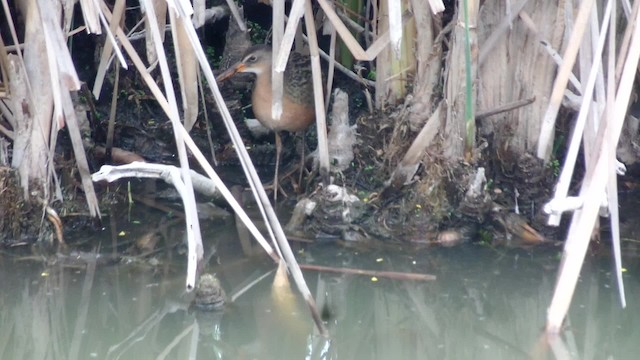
(358, 102)
(489, 184)
(210, 52)
(257, 32)
(554, 165)
(372, 75)
(485, 236)
(214, 59)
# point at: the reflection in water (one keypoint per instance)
(483, 305)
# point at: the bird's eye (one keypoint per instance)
(251, 58)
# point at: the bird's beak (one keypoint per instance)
(239, 67)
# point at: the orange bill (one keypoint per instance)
(236, 68)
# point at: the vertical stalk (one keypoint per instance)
(469, 116)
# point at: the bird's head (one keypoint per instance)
(257, 60)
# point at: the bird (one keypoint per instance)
(518, 232)
(298, 107)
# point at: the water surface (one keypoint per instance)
(487, 303)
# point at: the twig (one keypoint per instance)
(500, 30)
(112, 117)
(151, 202)
(53, 217)
(504, 108)
(233, 297)
(388, 274)
(236, 15)
(171, 175)
(207, 123)
(176, 340)
(344, 69)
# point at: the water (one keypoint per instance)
(485, 304)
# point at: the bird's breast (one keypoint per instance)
(295, 116)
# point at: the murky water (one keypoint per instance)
(485, 304)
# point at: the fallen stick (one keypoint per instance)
(504, 108)
(388, 274)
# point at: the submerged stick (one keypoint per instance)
(387, 274)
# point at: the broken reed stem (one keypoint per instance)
(331, 69)
(593, 187)
(470, 13)
(277, 77)
(615, 220)
(111, 127)
(626, 39)
(250, 171)
(318, 96)
(195, 249)
(207, 123)
(564, 180)
(545, 141)
(153, 87)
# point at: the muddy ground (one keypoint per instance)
(434, 209)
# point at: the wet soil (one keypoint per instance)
(433, 205)
(419, 212)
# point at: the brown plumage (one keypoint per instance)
(298, 111)
(298, 105)
(518, 232)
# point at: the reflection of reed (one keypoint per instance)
(287, 313)
(7, 325)
(36, 327)
(485, 316)
(148, 327)
(484, 310)
(83, 309)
